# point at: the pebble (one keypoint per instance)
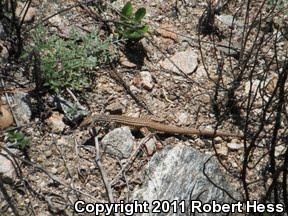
(150, 146)
(234, 146)
(222, 150)
(56, 123)
(115, 108)
(146, 80)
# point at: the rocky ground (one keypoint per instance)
(170, 76)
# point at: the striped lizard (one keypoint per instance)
(154, 126)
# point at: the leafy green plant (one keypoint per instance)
(65, 63)
(19, 139)
(130, 26)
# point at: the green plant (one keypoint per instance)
(130, 26)
(19, 139)
(280, 4)
(65, 63)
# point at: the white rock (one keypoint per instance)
(119, 142)
(6, 168)
(183, 118)
(186, 61)
(222, 150)
(234, 146)
(146, 80)
(279, 150)
(150, 146)
(218, 140)
(229, 20)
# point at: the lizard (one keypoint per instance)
(154, 126)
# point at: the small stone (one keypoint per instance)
(234, 146)
(54, 170)
(48, 153)
(200, 73)
(150, 146)
(40, 159)
(20, 12)
(55, 122)
(186, 61)
(218, 140)
(200, 143)
(229, 21)
(167, 31)
(279, 150)
(126, 63)
(22, 108)
(183, 118)
(119, 142)
(234, 164)
(63, 29)
(222, 150)
(146, 80)
(115, 108)
(6, 168)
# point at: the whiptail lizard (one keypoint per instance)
(153, 125)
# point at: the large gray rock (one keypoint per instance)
(176, 173)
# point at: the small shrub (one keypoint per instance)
(19, 139)
(130, 26)
(64, 63)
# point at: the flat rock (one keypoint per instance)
(55, 122)
(176, 173)
(119, 142)
(185, 61)
(222, 150)
(167, 30)
(183, 118)
(280, 150)
(229, 20)
(6, 168)
(115, 108)
(150, 146)
(22, 108)
(146, 80)
(126, 63)
(233, 145)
